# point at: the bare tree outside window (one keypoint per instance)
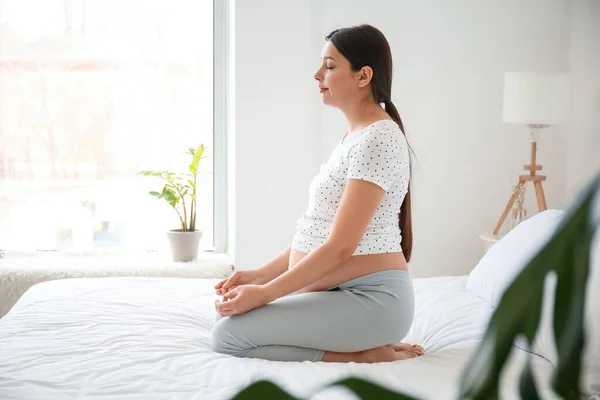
(91, 93)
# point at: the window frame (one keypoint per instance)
(221, 100)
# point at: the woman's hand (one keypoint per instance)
(241, 300)
(242, 277)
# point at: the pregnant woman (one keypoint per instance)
(341, 292)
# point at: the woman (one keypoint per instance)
(342, 291)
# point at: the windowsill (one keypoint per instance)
(153, 264)
(21, 270)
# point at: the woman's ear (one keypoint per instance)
(365, 76)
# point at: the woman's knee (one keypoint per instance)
(222, 337)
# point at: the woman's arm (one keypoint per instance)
(357, 208)
(275, 267)
(374, 164)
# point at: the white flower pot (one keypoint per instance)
(184, 245)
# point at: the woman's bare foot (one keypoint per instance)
(387, 353)
(399, 346)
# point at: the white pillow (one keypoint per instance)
(507, 257)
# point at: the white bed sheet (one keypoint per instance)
(149, 338)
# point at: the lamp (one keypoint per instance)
(538, 101)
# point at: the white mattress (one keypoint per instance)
(149, 338)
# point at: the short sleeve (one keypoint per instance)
(380, 157)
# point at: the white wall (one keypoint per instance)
(583, 140)
(276, 134)
(449, 58)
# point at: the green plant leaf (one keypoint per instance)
(156, 194)
(263, 390)
(362, 388)
(164, 175)
(174, 187)
(197, 155)
(170, 196)
(527, 385)
(369, 390)
(570, 294)
(570, 297)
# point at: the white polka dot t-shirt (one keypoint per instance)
(379, 154)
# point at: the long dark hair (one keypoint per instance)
(365, 45)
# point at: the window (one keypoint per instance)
(91, 93)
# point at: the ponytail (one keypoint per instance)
(405, 220)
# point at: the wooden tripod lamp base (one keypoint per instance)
(523, 179)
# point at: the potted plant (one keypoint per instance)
(179, 191)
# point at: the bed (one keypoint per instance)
(149, 338)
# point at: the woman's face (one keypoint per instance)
(338, 84)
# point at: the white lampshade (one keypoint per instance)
(534, 98)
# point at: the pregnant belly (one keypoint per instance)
(355, 267)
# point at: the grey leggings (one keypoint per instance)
(363, 313)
